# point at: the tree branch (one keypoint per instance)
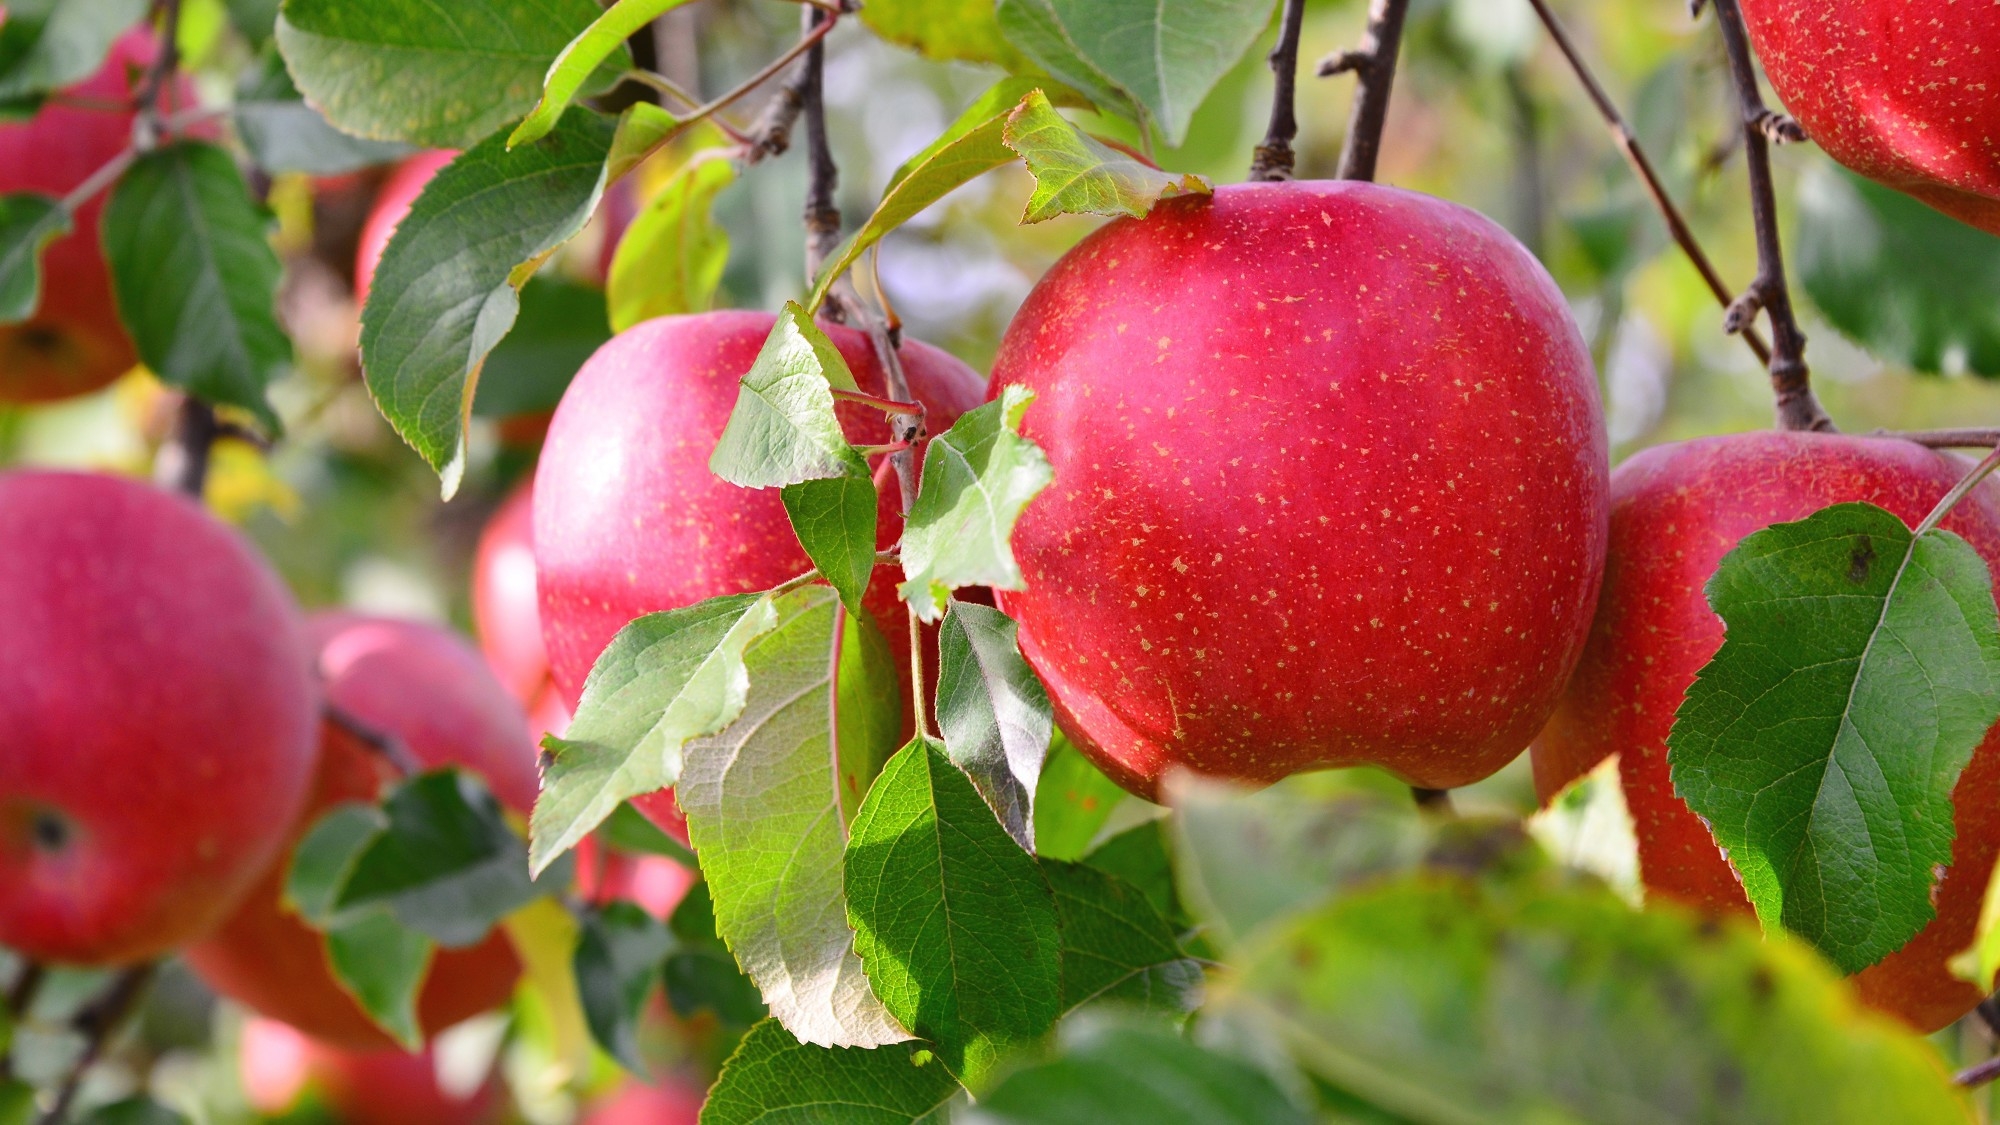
(98, 1022)
(379, 742)
(1791, 381)
(822, 213)
(1374, 64)
(1274, 158)
(182, 463)
(159, 77)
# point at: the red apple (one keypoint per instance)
(628, 518)
(433, 692)
(392, 202)
(156, 718)
(1905, 92)
(393, 1087)
(1329, 487)
(657, 884)
(74, 342)
(1675, 511)
(673, 1101)
(504, 612)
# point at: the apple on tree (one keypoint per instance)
(279, 1065)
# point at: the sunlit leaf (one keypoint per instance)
(774, 1077)
(978, 477)
(603, 39)
(1124, 1072)
(671, 258)
(783, 429)
(1076, 174)
(993, 713)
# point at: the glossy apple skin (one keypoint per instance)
(74, 342)
(504, 610)
(1676, 510)
(628, 518)
(671, 1101)
(432, 691)
(156, 712)
(1905, 92)
(1329, 487)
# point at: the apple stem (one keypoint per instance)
(1628, 145)
(1374, 65)
(1791, 379)
(1959, 491)
(1434, 801)
(380, 742)
(97, 1022)
(182, 463)
(1978, 1075)
(1274, 159)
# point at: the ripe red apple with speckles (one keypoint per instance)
(628, 518)
(1676, 510)
(1905, 92)
(431, 691)
(157, 715)
(1330, 482)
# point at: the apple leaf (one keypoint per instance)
(945, 30)
(257, 20)
(410, 70)
(561, 325)
(48, 44)
(672, 256)
(993, 712)
(447, 288)
(701, 976)
(1163, 58)
(1127, 1072)
(135, 1110)
(968, 149)
(1910, 284)
(977, 478)
(628, 830)
(284, 134)
(326, 855)
(1115, 945)
(382, 964)
(545, 935)
(774, 1077)
(1860, 668)
(618, 959)
(1443, 999)
(953, 921)
(767, 802)
(1142, 856)
(664, 679)
(1077, 174)
(580, 59)
(1073, 801)
(28, 223)
(835, 522)
(783, 429)
(195, 276)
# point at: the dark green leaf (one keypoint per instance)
(136, 1110)
(783, 429)
(1115, 945)
(1076, 174)
(382, 964)
(978, 476)
(1131, 1073)
(195, 276)
(767, 802)
(618, 959)
(408, 70)
(17, 1102)
(326, 856)
(583, 56)
(1033, 28)
(628, 830)
(773, 1077)
(1142, 856)
(1073, 800)
(835, 522)
(672, 256)
(255, 19)
(48, 44)
(701, 975)
(954, 922)
(28, 223)
(284, 134)
(993, 713)
(448, 285)
(1909, 284)
(664, 679)
(561, 325)
(1821, 744)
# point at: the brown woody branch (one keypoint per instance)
(1374, 65)
(98, 1022)
(372, 738)
(1274, 159)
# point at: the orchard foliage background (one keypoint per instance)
(979, 926)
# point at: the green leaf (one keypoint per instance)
(28, 223)
(195, 276)
(978, 476)
(993, 712)
(783, 429)
(603, 39)
(618, 959)
(257, 20)
(561, 325)
(701, 975)
(1142, 856)
(382, 964)
(326, 856)
(48, 44)
(954, 922)
(1073, 800)
(284, 134)
(767, 802)
(409, 70)
(136, 1110)
(1124, 1072)
(835, 522)
(1907, 283)
(1163, 57)
(447, 288)
(962, 30)
(1033, 28)
(1821, 744)
(1076, 174)
(969, 148)
(1445, 1001)
(17, 1102)
(773, 1077)
(664, 679)
(628, 830)
(1115, 945)
(672, 256)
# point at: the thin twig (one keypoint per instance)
(1791, 381)
(772, 134)
(1945, 439)
(1959, 491)
(97, 1022)
(1274, 158)
(1374, 66)
(1628, 145)
(159, 77)
(1434, 801)
(27, 983)
(380, 742)
(182, 463)
(887, 405)
(1978, 1075)
(654, 80)
(724, 101)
